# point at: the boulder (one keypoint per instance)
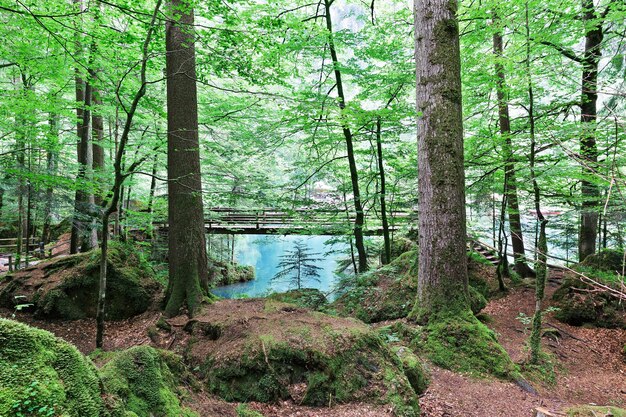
(143, 381)
(265, 350)
(578, 305)
(67, 287)
(41, 375)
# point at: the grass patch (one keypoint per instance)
(544, 373)
(595, 411)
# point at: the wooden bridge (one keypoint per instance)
(293, 222)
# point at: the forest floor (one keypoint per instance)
(591, 369)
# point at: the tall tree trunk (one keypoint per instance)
(359, 220)
(383, 201)
(155, 161)
(83, 225)
(188, 263)
(97, 128)
(442, 274)
(77, 226)
(515, 223)
(83, 235)
(588, 148)
(51, 168)
(21, 140)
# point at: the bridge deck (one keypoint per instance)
(302, 222)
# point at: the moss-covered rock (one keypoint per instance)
(265, 350)
(578, 306)
(306, 297)
(389, 292)
(413, 369)
(462, 343)
(68, 287)
(609, 260)
(226, 273)
(143, 381)
(41, 375)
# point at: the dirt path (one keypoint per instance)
(592, 369)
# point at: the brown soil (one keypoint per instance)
(592, 369)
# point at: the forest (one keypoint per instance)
(313, 208)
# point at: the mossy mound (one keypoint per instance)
(609, 260)
(578, 306)
(67, 288)
(226, 273)
(388, 293)
(399, 245)
(462, 343)
(41, 375)
(305, 297)
(143, 381)
(264, 350)
(594, 411)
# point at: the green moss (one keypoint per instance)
(337, 360)
(305, 297)
(384, 294)
(544, 372)
(593, 411)
(477, 300)
(144, 381)
(388, 293)
(400, 245)
(41, 375)
(462, 343)
(413, 369)
(68, 287)
(243, 410)
(578, 307)
(608, 260)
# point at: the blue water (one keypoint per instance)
(263, 253)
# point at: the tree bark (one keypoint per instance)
(83, 236)
(97, 128)
(75, 240)
(359, 220)
(383, 201)
(588, 148)
(51, 168)
(188, 264)
(515, 223)
(442, 274)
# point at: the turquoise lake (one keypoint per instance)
(264, 252)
